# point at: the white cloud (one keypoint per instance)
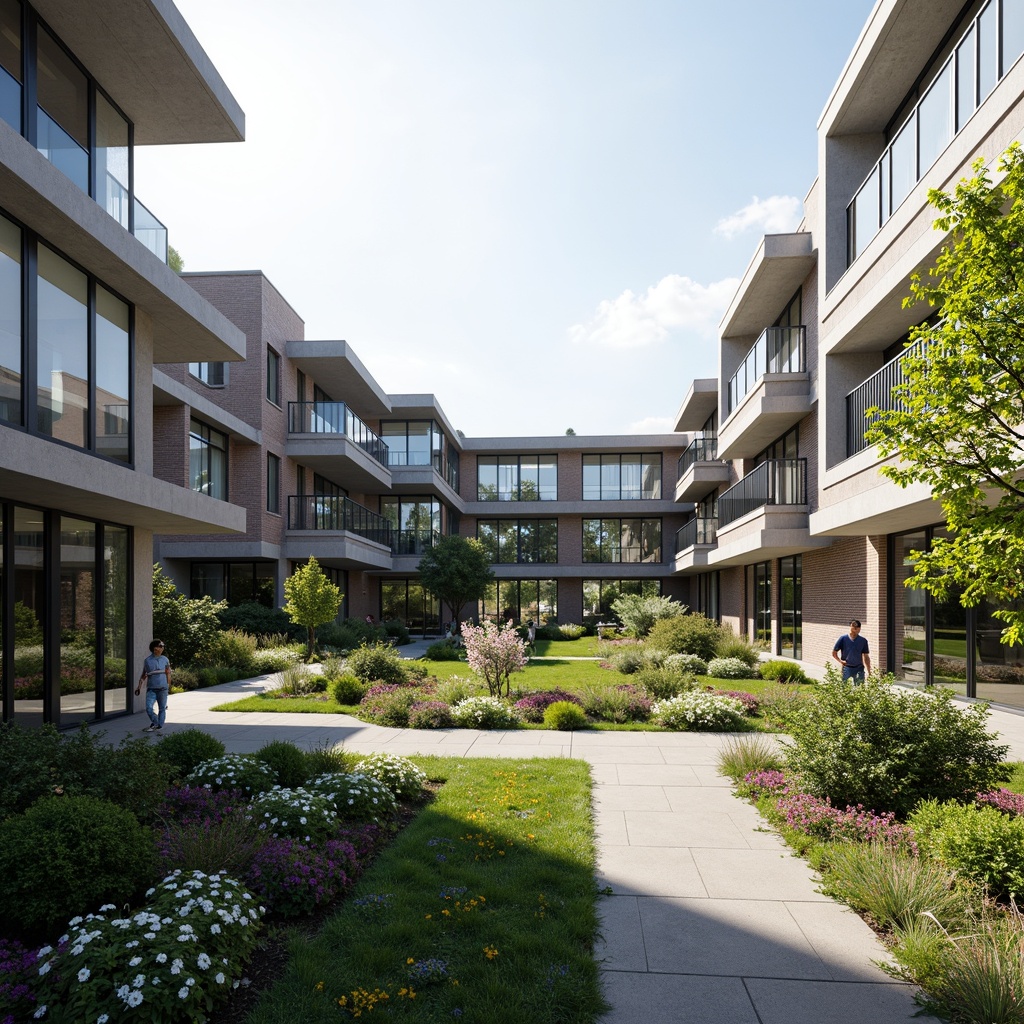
(774, 215)
(674, 303)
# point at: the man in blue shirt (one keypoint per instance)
(851, 651)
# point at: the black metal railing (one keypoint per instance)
(335, 418)
(413, 542)
(775, 482)
(876, 392)
(778, 350)
(696, 531)
(702, 449)
(335, 513)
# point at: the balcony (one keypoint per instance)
(768, 393)
(149, 231)
(874, 393)
(700, 471)
(413, 542)
(775, 482)
(694, 540)
(444, 467)
(368, 537)
(330, 439)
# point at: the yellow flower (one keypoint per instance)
(428, 917)
(319, 986)
(411, 960)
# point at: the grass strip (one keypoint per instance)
(483, 909)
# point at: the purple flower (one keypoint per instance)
(1002, 799)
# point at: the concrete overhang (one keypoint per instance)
(186, 328)
(777, 402)
(772, 531)
(341, 460)
(82, 485)
(145, 56)
(869, 513)
(339, 550)
(169, 392)
(895, 43)
(693, 559)
(337, 369)
(424, 480)
(700, 479)
(423, 407)
(778, 268)
(700, 402)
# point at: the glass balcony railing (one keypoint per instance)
(413, 542)
(150, 231)
(702, 449)
(696, 531)
(987, 50)
(335, 418)
(778, 350)
(336, 513)
(775, 482)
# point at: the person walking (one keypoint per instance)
(156, 674)
(851, 651)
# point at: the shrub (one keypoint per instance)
(216, 675)
(224, 841)
(430, 714)
(571, 631)
(187, 749)
(814, 816)
(19, 968)
(388, 705)
(396, 630)
(887, 748)
(194, 926)
(1003, 800)
(231, 647)
(442, 651)
(399, 774)
(377, 663)
(260, 621)
(355, 796)
(286, 761)
(698, 709)
(740, 756)
(729, 668)
(979, 843)
(66, 855)
(748, 700)
(621, 703)
(531, 708)
(347, 689)
(456, 688)
(298, 681)
(662, 683)
(781, 671)
(565, 715)
(779, 704)
(233, 771)
(188, 625)
(686, 664)
(628, 660)
(495, 652)
(295, 814)
(638, 615)
(327, 757)
(295, 878)
(485, 713)
(732, 646)
(687, 634)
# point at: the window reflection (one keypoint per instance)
(10, 63)
(10, 322)
(62, 117)
(77, 668)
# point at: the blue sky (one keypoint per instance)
(536, 210)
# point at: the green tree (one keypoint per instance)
(174, 260)
(456, 571)
(959, 422)
(312, 600)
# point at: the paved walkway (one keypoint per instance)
(711, 919)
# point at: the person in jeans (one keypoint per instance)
(851, 651)
(156, 674)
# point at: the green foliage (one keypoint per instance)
(188, 626)
(233, 771)
(687, 634)
(888, 748)
(781, 671)
(892, 886)
(298, 681)
(565, 716)
(628, 660)
(638, 615)
(347, 689)
(457, 688)
(979, 843)
(391, 709)
(431, 714)
(570, 631)
(699, 710)
(326, 758)
(260, 621)
(286, 761)
(217, 675)
(662, 682)
(732, 646)
(197, 845)
(741, 755)
(356, 796)
(26, 625)
(66, 855)
(312, 600)
(442, 651)
(397, 631)
(729, 668)
(232, 648)
(399, 774)
(456, 570)
(377, 663)
(955, 425)
(184, 750)
(686, 664)
(485, 713)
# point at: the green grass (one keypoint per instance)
(585, 647)
(518, 837)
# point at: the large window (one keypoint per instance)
(600, 595)
(517, 478)
(415, 522)
(621, 477)
(62, 121)
(519, 600)
(213, 375)
(10, 63)
(10, 320)
(508, 541)
(408, 601)
(760, 580)
(208, 460)
(791, 607)
(621, 540)
(273, 377)
(235, 582)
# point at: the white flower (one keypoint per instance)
(140, 980)
(183, 993)
(161, 958)
(134, 962)
(103, 1018)
(203, 961)
(219, 978)
(122, 992)
(41, 1012)
(134, 998)
(75, 950)
(75, 920)
(45, 969)
(44, 951)
(190, 982)
(83, 974)
(215, 929)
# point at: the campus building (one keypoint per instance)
(795, 531)
(88, 308)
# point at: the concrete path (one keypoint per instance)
(710, 920)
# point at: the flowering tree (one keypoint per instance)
(495, 652)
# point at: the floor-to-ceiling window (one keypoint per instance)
(791, 606)
(519, 601)
(208, 460)
(408, 601)
(761, 602)
(600, 594)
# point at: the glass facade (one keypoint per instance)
(621, 477)
(791, 607)
(510, 541)
(10, 63)
(517, 478)
(600, 595)
(519, 601)
(208, 460)
(235, 582)
(408, 601)
(11, 327)
(62, 112)
(621, 540)
(760, 579)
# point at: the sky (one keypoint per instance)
(535, 210)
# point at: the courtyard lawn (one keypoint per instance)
(584, 647)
